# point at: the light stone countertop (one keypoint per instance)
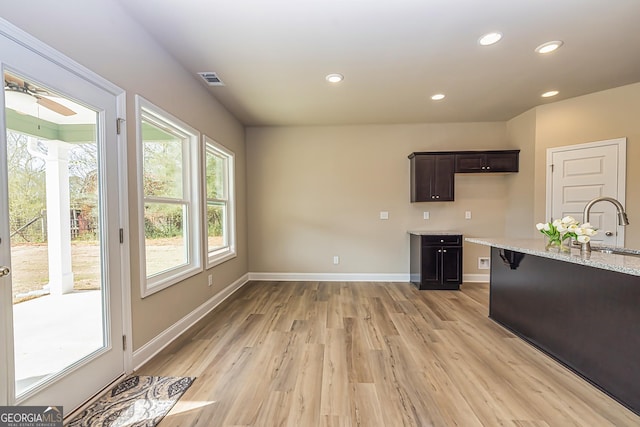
(434, 233)
(626, 264)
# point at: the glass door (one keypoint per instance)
(59, 246)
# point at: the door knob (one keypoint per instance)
(4, 271)
(608, 233)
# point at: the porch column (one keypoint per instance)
(58, 220)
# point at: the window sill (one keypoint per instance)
(161, 282)
(218, 257)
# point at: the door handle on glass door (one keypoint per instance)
(4, 271)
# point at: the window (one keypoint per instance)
(220, 213)
(168, 180)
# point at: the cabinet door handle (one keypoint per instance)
(488, 167)
(437, 197)
(444, 250)
(441, 241)
(439, 250)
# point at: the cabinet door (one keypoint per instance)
(431, 266)
(451, 266)
(432, 178)
(423, 178)
(470, 162)
(502, 162)
(443, 183)
(487, 161)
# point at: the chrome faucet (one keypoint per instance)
(622, 217)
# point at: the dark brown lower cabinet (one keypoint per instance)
(436, 261)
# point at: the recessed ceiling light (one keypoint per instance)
(334, 78)
(549, 94)
(490, 38)
(438, 96)
(549, 46)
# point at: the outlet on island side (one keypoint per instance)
(484, 263)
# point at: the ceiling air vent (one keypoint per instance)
(211, 78)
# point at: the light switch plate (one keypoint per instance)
(467, 215)
(425, 215)
(384, 215)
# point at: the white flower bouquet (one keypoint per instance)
(566, 228)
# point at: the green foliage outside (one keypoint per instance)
(27, 188)
(162, 179)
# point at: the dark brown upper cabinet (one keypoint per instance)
(433, 172)
(432, 177)
(487, 161)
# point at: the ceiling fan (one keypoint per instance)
(15, 85)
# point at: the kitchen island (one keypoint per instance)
(582, 310)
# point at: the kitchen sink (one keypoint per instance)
(616, 251)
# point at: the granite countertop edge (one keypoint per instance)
(614, 262)
(434, 233)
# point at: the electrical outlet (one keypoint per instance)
(484, 263)
(467, 215)
(425, 215)
(210, 280)
(384, 215)
(336, 260)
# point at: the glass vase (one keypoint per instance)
(559, 246)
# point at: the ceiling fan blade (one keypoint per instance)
(11, 79)
(55, 106)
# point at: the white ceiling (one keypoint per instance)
(273, 55)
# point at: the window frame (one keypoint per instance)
(220, 254)
(191, 178)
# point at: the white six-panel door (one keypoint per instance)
(579, 173)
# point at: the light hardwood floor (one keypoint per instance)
(311, 354)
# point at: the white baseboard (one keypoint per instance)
(153, 347)
(330, 277)
(476, 278)
(350, 277)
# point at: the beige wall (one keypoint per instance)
(598, 116)
(316, 192)
(520, 219)
(100, 36)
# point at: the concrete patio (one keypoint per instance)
(53, 332)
